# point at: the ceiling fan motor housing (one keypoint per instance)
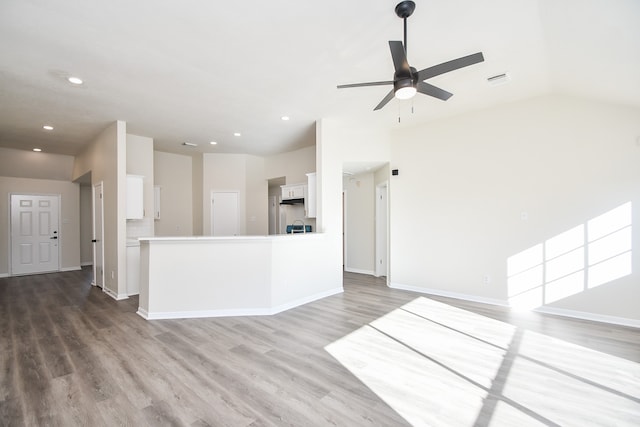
(402, 79)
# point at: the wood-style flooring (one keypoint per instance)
(373, 356)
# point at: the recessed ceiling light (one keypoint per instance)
(237, 134)
(37, 149)
(213, 143)
(47, 127)
(285, 118)
(75, 80)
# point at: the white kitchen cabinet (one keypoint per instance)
(156, 202)
(135, 197)
(294, 191)
(310, 199)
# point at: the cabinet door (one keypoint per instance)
(135, 199)
(156, 202)
(297, 192)
(310, 197)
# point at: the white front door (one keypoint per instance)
(35, 236)
(224, 213)
(98, 242)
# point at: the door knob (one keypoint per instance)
(54, 237)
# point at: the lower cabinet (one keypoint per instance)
(133, 269)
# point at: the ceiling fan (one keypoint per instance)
(407, 80)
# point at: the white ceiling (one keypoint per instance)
(200, 70)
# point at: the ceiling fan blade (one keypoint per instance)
(399, 57)
(431, 90)
(365, 84)
(445, 67)
(385, 100)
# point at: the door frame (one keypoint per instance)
(10, 248)
(382, 229)
(93, 216)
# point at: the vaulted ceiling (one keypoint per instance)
(199, 70)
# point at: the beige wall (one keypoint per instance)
(224, 172)
(360, 223)
(140, 162)
(29, 164)
(293, 166)
(197, 193)
(86, 225)
(105, 158)
(69, 219)
(174, 174)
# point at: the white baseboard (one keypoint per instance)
(262, 311)
(359, 271)
(71, 268)
(455, 295)
(4, 275)
(86, 263)
(115, 296)
(583, 315)
(305, 300)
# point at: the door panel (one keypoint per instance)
(34, 234)
(224, 214)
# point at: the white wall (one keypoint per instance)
(106, 158)
(339, 142)
(360, 223)
(69, 218)
(477, 189)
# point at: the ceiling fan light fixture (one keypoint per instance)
(407, 92)
(404, 88)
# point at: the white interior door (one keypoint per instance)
(224, 213)
(381, 230)
(35, 238)
(98, 235)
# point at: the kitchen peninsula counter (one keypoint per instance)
(204, 276)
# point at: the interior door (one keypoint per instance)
(224, 213)
(35, 238)
(98, 232)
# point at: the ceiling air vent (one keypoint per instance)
(498, 79)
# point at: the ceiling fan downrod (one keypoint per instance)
(404, 10)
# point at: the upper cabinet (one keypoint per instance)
(294, 191)
(135, 197)
(311, 196)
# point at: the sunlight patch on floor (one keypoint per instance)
(438, 365)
